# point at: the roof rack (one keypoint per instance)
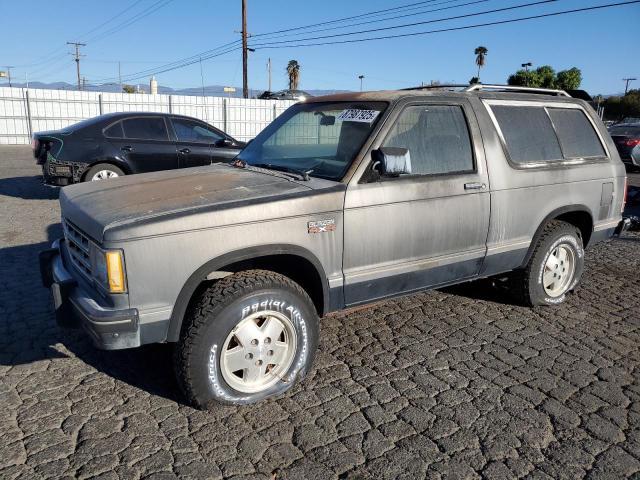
(442, 87)
(509, 88)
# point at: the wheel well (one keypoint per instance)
(297, 268)
(581, 220)
(574, 215)
(121, 166)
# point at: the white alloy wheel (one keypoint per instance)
(559, 271)
(258, 351)
(104, 175)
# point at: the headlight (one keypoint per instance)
(108, 269)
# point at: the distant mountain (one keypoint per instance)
(209, 90)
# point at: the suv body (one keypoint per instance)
(393, 192)
(117, 144)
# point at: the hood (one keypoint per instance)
(96, 207)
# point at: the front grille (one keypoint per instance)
(78, 246)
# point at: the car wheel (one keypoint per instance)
(554, 269)
(251, 336)
(102, 171)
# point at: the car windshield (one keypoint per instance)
(319, 139)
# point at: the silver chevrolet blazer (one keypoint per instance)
(341, 201)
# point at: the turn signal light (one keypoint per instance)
(115, 272)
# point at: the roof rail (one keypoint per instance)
(443, 86)
(509, 88)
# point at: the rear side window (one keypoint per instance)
(528, 133)
(437, 137)
(114, 131)
(145, 128)
(576, 134)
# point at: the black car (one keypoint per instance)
(119, 144)
(298, 95)
(626, 136)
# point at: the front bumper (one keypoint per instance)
(110, 329)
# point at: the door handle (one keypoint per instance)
(184, 151)
(127, 148)
(474, 186)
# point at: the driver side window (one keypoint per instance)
(437, 137)
(190, 131)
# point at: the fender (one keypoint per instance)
(180, 307)
(554, 214)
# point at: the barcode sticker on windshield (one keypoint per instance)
(356, 115)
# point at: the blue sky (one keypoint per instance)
(601, 43)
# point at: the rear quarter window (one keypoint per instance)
(577, 136)
(528, 133)
(114, 131)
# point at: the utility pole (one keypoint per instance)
(120, 78)
(269, 69)
(9, 67)
(77, 59)
(627, 81)
(201, 76)
(245, 55)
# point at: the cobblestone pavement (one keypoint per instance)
(448, 384)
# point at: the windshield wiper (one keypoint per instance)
(303, 174)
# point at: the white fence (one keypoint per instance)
(24, 111)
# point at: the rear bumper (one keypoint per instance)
(110, 329)
(608, 230)
(60, 173)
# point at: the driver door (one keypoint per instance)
(426, 228)
(196, 143)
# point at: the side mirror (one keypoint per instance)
(392, 161)
(224, 142)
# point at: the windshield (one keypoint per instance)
(321, 139)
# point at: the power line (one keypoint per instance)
(139, 16)
(413, 14)
(48, 58)
(328, 22)
(413, 24)
(156, 72)
(451, 29)
(190, 60)
(111, 19)
(143, 14)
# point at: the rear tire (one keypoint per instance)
(102, 171)
(251, 336)
(554, 269)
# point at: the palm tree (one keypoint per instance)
(293, 70)
(481, 53)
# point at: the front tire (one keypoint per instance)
(554, 269)
(251, 336)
